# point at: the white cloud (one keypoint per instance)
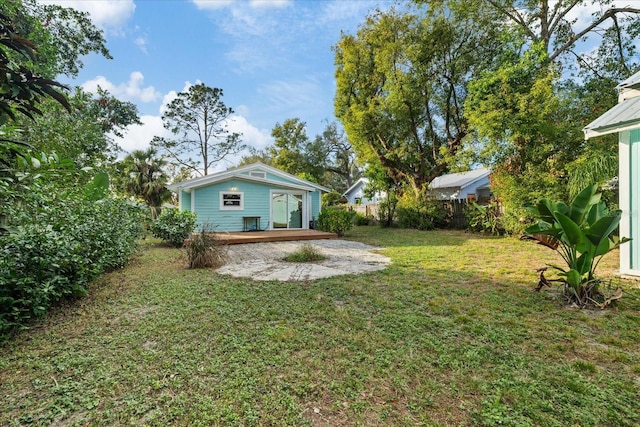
(270, 3)
(212, 4)
(133, 90)
(242, 110)
(166, 100)
(220, 4)
(251, 136)
(141, 42)
(107, 14)
(339, 11)
(138, 137)
(286, 95)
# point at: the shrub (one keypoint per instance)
(421, 214)
(582, 233)
(360, 219)
(517, 189)
(387, 210)
(174, 226)
(484, 218)
(204, 249)
(337, 221)
(305, 253)
(332, 198)
(68, 241)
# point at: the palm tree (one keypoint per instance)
(595, 169)
(145, 178)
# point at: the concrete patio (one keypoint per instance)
(264, 261)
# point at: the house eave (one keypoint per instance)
(614, 128)
(239, 173)
(623, 116)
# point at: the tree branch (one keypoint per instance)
(610, 13)
(515, 17)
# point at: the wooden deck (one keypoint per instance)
(235, 238)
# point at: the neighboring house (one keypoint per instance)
(253, 197)
(472, 185)
(355, 194)
(624, 119)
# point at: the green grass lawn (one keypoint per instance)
(450, 334)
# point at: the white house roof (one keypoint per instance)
(242, 173)
(460, 179)
(362, 182)
(632, 82)
(624, 116)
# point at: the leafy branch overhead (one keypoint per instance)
(21, 89)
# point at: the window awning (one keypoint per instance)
(624, 116)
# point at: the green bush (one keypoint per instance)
(332, 198)
(174, 226)
(387, 210)
(484, 218)
(67, 242)
(337, 221)
(360, 219)
(420, 213)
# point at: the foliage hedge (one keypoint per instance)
(485, 218)
(420, 213)
(174, 226)
(337, 221)
(60, 243)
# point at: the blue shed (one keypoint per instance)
(250, 198)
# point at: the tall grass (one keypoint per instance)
(204, 249)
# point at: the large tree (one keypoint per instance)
(336, 154)
(327, 159)
(288, 151)
(554, 24)
(199, 121)
(528, 109)
(60, 36)
(37, 43)
(84, 134)
(401, 86)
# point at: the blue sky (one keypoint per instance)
(272, 58)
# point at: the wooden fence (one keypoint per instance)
(366, 210)
(456, 210)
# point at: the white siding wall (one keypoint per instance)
(629, 189)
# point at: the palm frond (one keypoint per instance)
(593, 170)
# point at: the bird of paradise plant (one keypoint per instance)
(582, 233)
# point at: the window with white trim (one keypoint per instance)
(231, 201)
(258, 174)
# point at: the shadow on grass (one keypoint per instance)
(399, 237)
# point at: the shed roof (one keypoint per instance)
(460, 179)
(361, 182)
(624, 116)
(632, 82)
